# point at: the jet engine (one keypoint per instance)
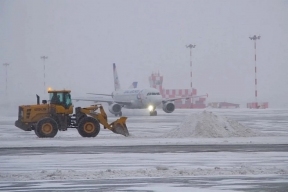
(115, 108)
(168, 107)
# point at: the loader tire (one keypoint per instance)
(46, 127)
(88, 127)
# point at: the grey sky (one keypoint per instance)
(83, 38)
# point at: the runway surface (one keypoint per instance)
(145, 149)
(146, 161)
(183, 184)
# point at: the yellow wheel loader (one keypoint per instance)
(47, 118)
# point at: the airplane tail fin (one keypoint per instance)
(133, 85)
(116, 79)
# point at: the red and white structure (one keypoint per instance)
(256, 105)
(223, 105)
(156, 81)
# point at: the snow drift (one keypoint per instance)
(208, 125)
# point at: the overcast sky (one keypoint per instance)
(83, 38)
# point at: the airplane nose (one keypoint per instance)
(159, 99)
(156, 100)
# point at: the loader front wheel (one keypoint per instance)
(46, 127)
(88, 127)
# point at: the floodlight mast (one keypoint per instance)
(190, 46)
(44, 58)
(255, 38)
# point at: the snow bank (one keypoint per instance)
(148, 172)
(208, 125)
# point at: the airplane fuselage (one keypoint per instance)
(138, 98)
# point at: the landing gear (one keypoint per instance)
(118, 114)
(153, 113)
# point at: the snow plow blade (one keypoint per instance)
(119, 127)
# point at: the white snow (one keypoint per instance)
(246, 126)
(209, 125)
(172, 188)
(59, 174)
(132, 165)
(183, 127)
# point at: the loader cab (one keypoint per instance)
(60, 98)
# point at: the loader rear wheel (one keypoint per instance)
(46, 127)
(88, 127)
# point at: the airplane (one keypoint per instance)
(148, 98)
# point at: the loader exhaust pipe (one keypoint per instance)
(38, 99)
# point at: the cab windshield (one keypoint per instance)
(61, 99)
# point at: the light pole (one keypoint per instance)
(44, 58)
(255, 38)
(191, 85)
(6, 65)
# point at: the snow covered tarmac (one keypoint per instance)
(62, 166)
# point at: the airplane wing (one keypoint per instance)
(104, 100)
(188, 97)
(99, 94)
(109, 101)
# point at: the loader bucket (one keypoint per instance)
(119, 127)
